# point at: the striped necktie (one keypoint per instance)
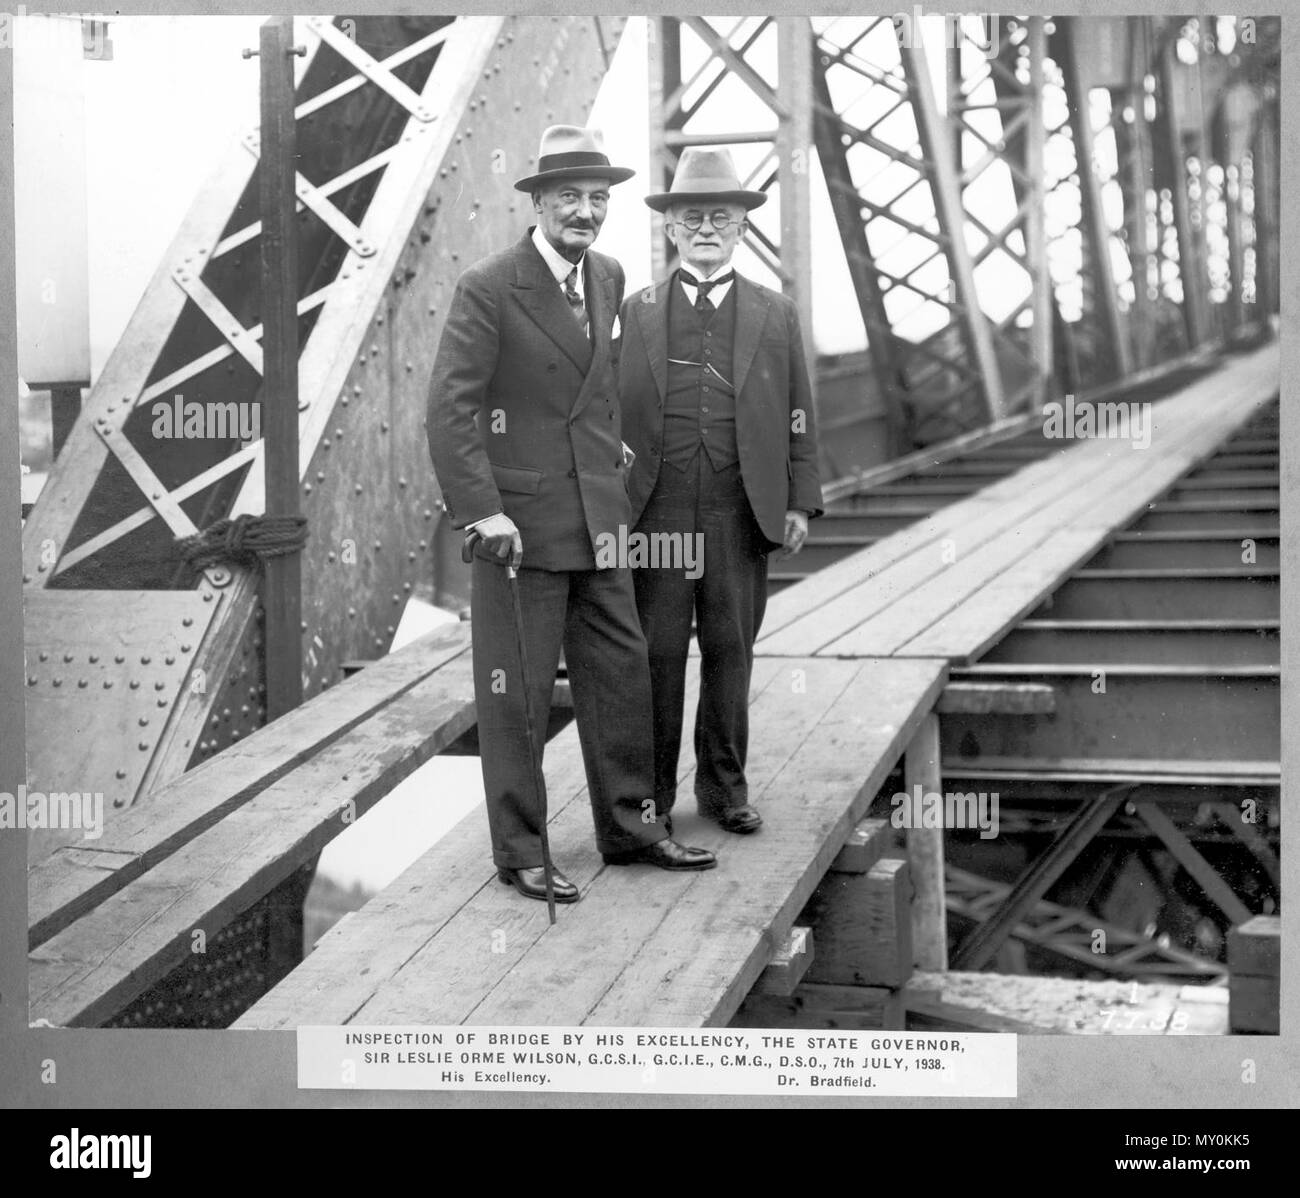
(575, 300)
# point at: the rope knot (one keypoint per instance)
(246, 541)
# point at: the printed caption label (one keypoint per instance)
(623, 1060)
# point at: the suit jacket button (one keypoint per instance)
(551, 368)
(573, 474)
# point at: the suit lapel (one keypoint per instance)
(752, 310)
(599, 291)
(654, 332)
(544, 302)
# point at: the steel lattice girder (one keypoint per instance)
(681, 103)
(409, 139)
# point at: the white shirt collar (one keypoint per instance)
(560, 266)
(716, 294)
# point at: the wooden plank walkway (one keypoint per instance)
(112, 922)
(951, 585)
(447, 943)
(78, 876)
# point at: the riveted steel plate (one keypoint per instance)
(104, 670)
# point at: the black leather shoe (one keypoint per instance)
(666, 854)
(532, 883)
(741, 820)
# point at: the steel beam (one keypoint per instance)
(946, 187)
(1113, 344)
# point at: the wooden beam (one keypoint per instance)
(1255, 947)
(279, 246)
(996, 698)
(863, 924)
(75, 879)
(93, 968)
(865, 846)
(789, 963)
(925, 852)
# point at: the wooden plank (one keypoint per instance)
(924, 1011)
(494, 946)
(1255, 947)
(1119, 769)
(972, 627)
(823, 600)
(863, 924)
(1002, 698)
(932, 455)
(569, 976)
(827, 789)
(967, 631)
(67, 885)
(789, 963)
(866, 844)
(91, 969)
(385, 939)
(835, 580)
(899, 567)
(925, 851)
(1095, 500)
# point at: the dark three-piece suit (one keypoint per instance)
(523, 419)
(717, 407)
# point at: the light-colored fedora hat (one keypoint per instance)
(707, 175)
(570, 152)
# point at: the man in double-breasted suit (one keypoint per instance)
(525, 437)
(717, 407)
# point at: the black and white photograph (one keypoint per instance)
(646, 559)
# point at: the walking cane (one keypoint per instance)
(539, 782)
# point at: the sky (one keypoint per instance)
(177, 90)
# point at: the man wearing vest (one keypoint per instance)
(717, 407)
(525, 438)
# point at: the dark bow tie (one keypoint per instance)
(706, 285)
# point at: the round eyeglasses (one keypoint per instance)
(720, 221)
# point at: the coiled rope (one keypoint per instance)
(246, 540)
